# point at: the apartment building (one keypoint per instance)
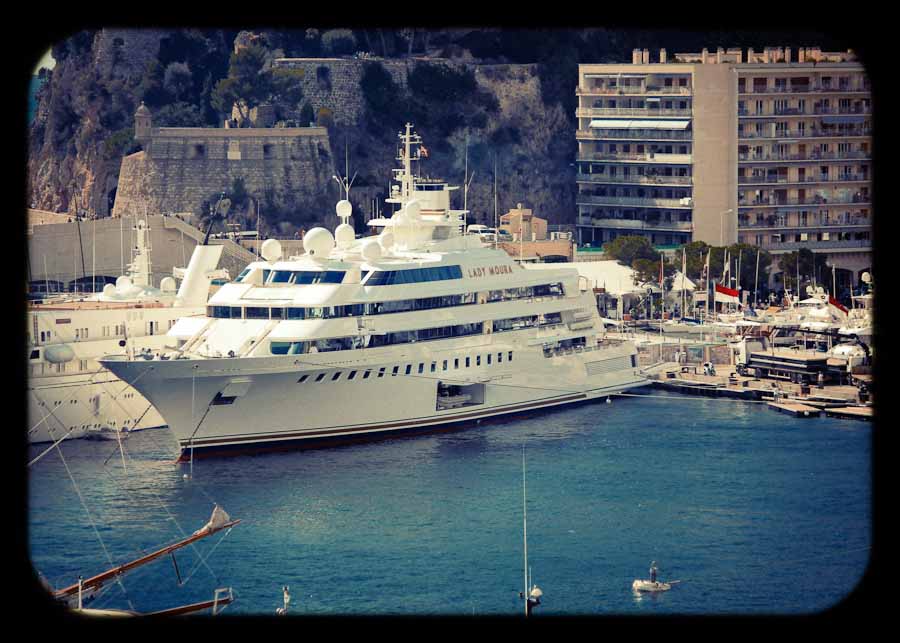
(769, 148)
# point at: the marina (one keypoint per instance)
(625, 371)
(433, 524)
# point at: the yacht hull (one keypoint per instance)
(215, 410)
(69, 406)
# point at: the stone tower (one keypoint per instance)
(143, 124)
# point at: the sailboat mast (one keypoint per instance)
(525, 530)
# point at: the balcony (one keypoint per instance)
(812, 200)
(633, 135)
(642, 112)
(841, 178)
(635, 224)
(794, 111)
(591, 199)
(780, 224)
(649, 90)
(809, 156)
(637, 179)
(804, 89)
(850, 245)
(651, 157)
(813, 133)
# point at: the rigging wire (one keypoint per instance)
(93, 525)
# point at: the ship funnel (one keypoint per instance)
(194, 290)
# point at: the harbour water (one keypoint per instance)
(739, 503)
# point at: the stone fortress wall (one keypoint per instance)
(180, 167)
(333, 83)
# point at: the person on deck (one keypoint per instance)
(653, 572)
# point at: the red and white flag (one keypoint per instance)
(726, 295)
(835, 305)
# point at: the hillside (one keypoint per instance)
(506, 95)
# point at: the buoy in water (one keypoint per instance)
(608, 400)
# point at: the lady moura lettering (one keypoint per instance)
(490, 270)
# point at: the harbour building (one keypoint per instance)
(769, 148)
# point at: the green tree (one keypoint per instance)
(810, 265)
(647, 271)
(251, 82)
(338, 42)
(626, 248)
(178, 80)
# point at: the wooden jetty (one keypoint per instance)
(795, 409)
(851, 412)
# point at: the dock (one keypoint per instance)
(851, 413)
(796, 409)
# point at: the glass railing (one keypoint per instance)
(634, 178)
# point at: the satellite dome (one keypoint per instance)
(318, 242)
(270, 250)
(109, 290)
(167, 284)
(386, 239)
(344, 234)
(344, 208)
(123, 283)
(371, 250)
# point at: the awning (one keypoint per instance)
(847, 118)
(646, 124)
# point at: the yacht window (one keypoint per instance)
(414, 275)
(253, 312)
(366, 375)
(280, 277)
(295, 313)
(467, 362)
(36, 354)
(223, 399)
(381, 371)
(351, 375)
(265, 274)
(303, 379)
(320, 377)
(304, 277)
(243, 274)
(336, 376)
(433, 366)
(395, 371)
(421, 368)
(478, 360)
(509, 357)
(408, 369)
(444, 366)
(456, 363)
(277, 313)
(499, 357)
(488, 358)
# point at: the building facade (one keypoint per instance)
(770, 148)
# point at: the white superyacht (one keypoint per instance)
(69, 394)
(417, 328)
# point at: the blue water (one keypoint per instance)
(735, 500)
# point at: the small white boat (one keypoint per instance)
(650, 586)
